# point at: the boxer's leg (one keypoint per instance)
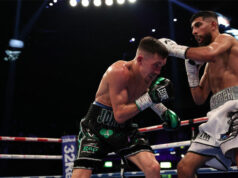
(147, 162)
(189, 164)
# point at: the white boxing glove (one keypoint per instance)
(173, 48)
(192, 69)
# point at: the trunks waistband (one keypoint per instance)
(98, 115)
(223, 96)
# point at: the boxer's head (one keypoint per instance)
(151, 56)
(204, 24)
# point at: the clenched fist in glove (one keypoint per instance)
(159, 91)
(173, 48)
(170, 118)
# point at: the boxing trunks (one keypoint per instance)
(214, 138)
(100, 134)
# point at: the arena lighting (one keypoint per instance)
(73, 3)
(108, 164)
(165, 165)
(55, 1)
(15, 43)
(97, 3)
(120, 2)
(109, 2)
(85, 3)
(233, 32)
(222, 20)
(132, 40)
(153, 30)
(131, 1)
(51, 4)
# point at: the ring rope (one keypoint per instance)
(30, 139)
(183, 123)
(154, 147)
(18, 156)
(165, 172)
(59, 140)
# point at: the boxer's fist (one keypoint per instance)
(170, 118)
(159, 91)
(173, 48)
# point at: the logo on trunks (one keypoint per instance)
(220, 98)
(204, 136)
(90, 149)
(106, 118)
(163, 93)
(106, 133)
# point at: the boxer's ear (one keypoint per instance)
(139, 59)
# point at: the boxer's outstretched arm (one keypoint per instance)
(210, 53)
(204, 53)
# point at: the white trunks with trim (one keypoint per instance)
(212, 139)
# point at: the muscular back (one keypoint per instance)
(223, 72)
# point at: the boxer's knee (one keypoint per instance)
(184, 170)
(153, 170)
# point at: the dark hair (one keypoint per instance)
(203, 14)
(153, 45)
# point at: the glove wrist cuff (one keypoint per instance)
(180, 51)
(159, 108)
(143, 102)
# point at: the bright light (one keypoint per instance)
(175, 20)
(165, 164)
(182, 155)
(108, 164)
(132, 1)
(15, 43)
(51, 4)
(223, 20)
(153, 30)
(157, 154)
(73, 3)
(109, 2)
(55, 1)
(172, 152)
(120, 1)
(97, 2)
(85, 3)
(132, 40)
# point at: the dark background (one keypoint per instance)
(49, 88)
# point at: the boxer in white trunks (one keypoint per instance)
(217, 142)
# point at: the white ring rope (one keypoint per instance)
(18, 156)
(164, 172)
(116, 174)
(154, 147)
(58, 140)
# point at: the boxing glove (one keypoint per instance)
(173, 48)
(170, 118)
(158, 92)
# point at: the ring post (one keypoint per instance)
(69, 152)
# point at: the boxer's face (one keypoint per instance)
(152, 67)
(201, 30)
